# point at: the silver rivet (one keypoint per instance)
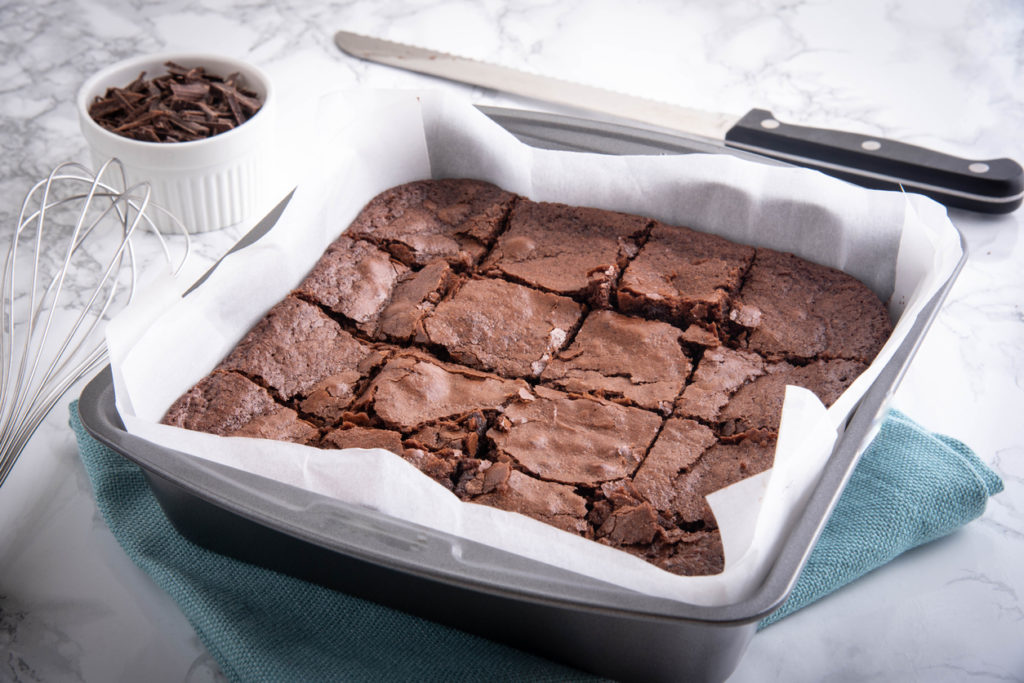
(770, 123)
(871, 145)
(978, 167)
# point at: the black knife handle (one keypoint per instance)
(987, 186)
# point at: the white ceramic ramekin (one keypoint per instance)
(207, 184)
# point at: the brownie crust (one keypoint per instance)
(792, 309)
(228, 404)
(451, 219)
(573, 251)
(413, 390)
(574, 440)
(684, 277)
(636, 361)
(501, 326)
(302, 355)
(354, 279)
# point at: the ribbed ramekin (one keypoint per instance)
(207, 184)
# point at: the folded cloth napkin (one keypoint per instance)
(910, 487)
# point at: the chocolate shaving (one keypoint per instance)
(182, 105)
(190, 92)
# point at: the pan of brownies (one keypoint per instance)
(598, 371)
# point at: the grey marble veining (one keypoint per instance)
(945, 74)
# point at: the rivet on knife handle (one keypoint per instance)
(988, 186)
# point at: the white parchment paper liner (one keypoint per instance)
(902, 246)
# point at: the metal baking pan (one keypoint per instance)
(594, 626)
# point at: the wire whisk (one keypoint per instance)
(70, 266)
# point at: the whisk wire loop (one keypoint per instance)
(97, 265)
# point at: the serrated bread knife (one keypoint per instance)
(989, 186)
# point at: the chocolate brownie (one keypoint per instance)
(719, 374)
(758, 404)
(688, 461)
(598, 372)
(680, 445)
(499, 485)
(621, 517)
(413, 389)
(502, 326)
(619, 357)
(228, 404)
(354, 436)
(354, 279)
(452, 219)
(574, 439)
(414, 296)
(568, 250)
(441, 466)
(724, 463)
(792, 309)
(302, 355)
(683, 276)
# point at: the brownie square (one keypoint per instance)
(502, 326)
(451, 219)
(622, 518)
(354, 279)
(569, 250)
(719, 374)
(228, 404)
(621, 357)
(702, 464)
(413, 390)
(683, 276)
(795, 309)
(301, 354)
(498, 485)
(414, 296)
(680, 444)
(758, 404)
(576, 440)
(441, 466)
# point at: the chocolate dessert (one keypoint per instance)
(453, 219)
(578, 440)
(683, 277)
(595, 371)
(631, 360)
(301, 355)
(541, 249)
(502, 326)
(353, 279)
(758, 404)
(414, 296)
(228, 404)
(792, 309)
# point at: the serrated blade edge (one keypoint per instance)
(554, 90)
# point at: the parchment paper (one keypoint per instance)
(902, 246)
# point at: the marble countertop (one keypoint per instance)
(948, 75)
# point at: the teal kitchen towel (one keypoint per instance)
(910, 487)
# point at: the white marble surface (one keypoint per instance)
(947, 74)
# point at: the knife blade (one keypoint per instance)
(993, 186)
